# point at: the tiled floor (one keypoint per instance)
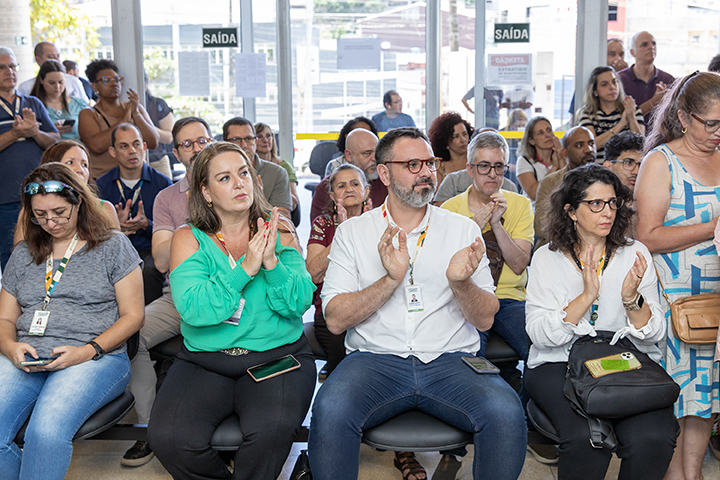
(100, 459)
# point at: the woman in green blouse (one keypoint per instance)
(240, 285)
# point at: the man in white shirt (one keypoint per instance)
(404, 356)
(46, 51)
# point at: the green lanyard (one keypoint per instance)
(52, 281)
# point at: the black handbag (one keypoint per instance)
(302, 467)
(617, 395)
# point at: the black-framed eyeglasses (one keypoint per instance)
(628, 163)
(483, 168)
(238, 140)
(59, 220)
(596, 205)
(9, 66)
(50, 186)
(416, 164)
(711, 126)
(117, 79)
(202, 142)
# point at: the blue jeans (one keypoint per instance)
(59, 402)
(8, 219)
(366, 389)
(510, 325)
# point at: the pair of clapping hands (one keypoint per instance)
(261, 248)
(631, 283)
(25, 126)
(396, 260)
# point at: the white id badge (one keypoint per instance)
(235, 318)
(413, 298)
(39, 322)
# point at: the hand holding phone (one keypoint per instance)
(36, 363)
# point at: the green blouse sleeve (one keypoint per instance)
(290, 286)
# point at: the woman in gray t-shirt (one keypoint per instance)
(71, 297)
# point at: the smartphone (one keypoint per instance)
(69, 122)
(481, 365)
(274, 368)
(36, 363)
(620, 362)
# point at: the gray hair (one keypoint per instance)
(8, 51)
(344, 167)
(488, 139)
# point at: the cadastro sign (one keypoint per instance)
(512, 33)
(220, 37)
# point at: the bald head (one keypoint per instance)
(360, 151)
(643, 47)
(579, 146)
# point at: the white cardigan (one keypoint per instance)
(554, 282)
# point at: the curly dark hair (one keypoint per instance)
(96, 66)
(349, 127)
(559, 228)
(441, 132)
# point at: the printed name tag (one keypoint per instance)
(413, 298)
(235, 318)
(39, 322)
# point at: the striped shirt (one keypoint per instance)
(603, 122)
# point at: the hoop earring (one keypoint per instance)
(684, 130)
(209, 204)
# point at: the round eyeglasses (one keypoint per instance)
(416, 164)
(202, 142)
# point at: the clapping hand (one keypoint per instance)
(633, 278)
(270, 234)
(499, 203)
(26, 126)
(484, 214)
(136, 223)
(465, 261)
(368, 204)
(341, 212)
(591, 282)
(394, 260)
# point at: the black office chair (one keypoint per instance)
(107, 416)
(321, 154)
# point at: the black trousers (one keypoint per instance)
(204, 388)
(334, 345)
(645, 442)
(153, 279)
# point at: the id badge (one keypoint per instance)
(39, 322)
(235, 318)
(413, 298)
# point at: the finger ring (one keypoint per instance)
(639, 277)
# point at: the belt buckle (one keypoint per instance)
(235, 351)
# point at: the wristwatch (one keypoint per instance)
(98, 349)
(634, 304)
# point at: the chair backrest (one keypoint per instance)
(321, 154)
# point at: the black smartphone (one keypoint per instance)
(481, 365)
(69, 122)
(274, 368)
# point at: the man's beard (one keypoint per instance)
(411, 197)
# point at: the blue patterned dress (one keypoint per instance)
(689, 272)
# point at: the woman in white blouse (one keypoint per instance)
(600, 280)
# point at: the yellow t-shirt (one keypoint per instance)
(519, 225)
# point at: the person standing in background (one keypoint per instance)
(392, 117)
(26, 131)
